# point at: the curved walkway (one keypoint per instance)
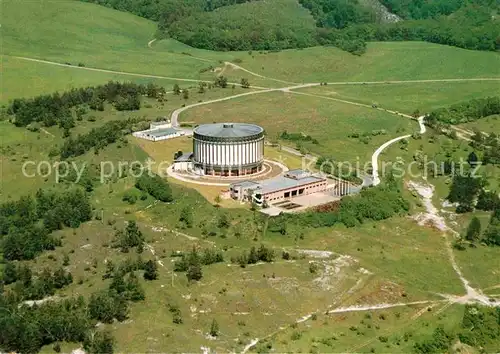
(171, 173)
(174, 118)
(150, 43)
(376, 154)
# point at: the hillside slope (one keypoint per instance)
(259, 25)
(96, 36)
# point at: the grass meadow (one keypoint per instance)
(392, 330)
(265, 299)
(382, 61)
(408, 97)
(20, 145)
(389, 261)
(74, 32)
(327, 121)
(489, 124)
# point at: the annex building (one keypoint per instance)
(294, 183)
(159, 131)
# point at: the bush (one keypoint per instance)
(156, 186)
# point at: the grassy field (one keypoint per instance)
(382, 61)
(41, 78)
(373, 244)
(489, 124)
(391, 261)
(20, 145)
(407, 98)
(389, 330)
(75, 32)
(259, 300)
(327, 121)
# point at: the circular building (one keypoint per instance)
(228, 149)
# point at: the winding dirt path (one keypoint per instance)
(122, 72)
(235, 66)
(174, 118)
(45, 131)
(150, 43)
(376, 154)
(426, 193)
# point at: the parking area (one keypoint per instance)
(301, 203)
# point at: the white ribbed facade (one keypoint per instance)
(228, 150)
(229, 154)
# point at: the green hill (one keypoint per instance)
(77, 32)
(263, 24)
(346, 24)
(65, 31)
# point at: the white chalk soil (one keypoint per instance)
(432, 215)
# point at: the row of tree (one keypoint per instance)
(98, 138)
(129, 265)
(27, 329)
(31, 287)
(56, 108)
(285, 135)
(192, 262)
(464, 112)
(422, 9)
(372, 204)
(262, 254)
(471, 27)
(26, 224)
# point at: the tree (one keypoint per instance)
(416, 113)
(178, 154)
(474, 230)
(223, 222)
(245, 83)
(118, 283)
(221, 82)
(214, 328)
(177, 89)
(130, 237)
(488, 201)
(201, 87)
(194, 272)
(150, 270)
(155, 186)
(472, 159)
(492, 233)
(134, 290)
(253, 257)
(463, 191)
(9, 273)
(99, 343)
(186, 216)
(106, 306)
(185, 94)
(217, 200)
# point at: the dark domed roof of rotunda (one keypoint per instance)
(228, 130)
